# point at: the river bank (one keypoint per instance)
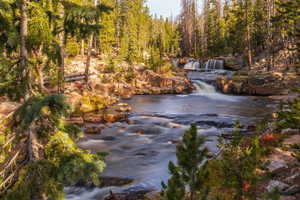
(140, 133)
(146, 142)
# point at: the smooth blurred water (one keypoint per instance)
(163, 119)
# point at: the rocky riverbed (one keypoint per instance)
(140, 147)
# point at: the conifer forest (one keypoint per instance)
(108, 100)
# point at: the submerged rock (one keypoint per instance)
(134, 193)
(105, 182)
(114, 181)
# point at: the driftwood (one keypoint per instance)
(76, 77)
(73, 77)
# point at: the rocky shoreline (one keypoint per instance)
(102, 103)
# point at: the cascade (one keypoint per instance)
(203, 88)
(213, 64)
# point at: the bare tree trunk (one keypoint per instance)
(195, 28)
(33, 153)
(61, 70)
(270, 41)
(39, 70)
(23, 48)
(249, 49)
(88, 59)
(82, 48)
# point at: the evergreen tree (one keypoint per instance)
(289, 19)
(39, 154)
(190, 171)
(239, 164)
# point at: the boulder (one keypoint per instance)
(76, 120)
(111, 116)
(292, 190)
(93, 128)
(232, 63)
(277, 165)
(153, 83)
(290, 131)
(288, 198)
(105, 89)
(273, 185)
(7, 107)
(122, 107)
(93, 118)
(126, 93)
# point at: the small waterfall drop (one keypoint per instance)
(204, 88)
(214, 65)
(209, 91)
(192, 65)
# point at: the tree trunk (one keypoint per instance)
(249, 49)
(61, 70)
(88, 60)
(23, 48)
(33, 153)
(82, 48)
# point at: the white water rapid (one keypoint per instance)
(209, 91)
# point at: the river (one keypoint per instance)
(141, 148)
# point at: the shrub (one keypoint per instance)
(289, 117)
(73, 48)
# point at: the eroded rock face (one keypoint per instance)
(261, 85)
(150, 82)
(232, 63)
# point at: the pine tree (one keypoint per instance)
(289, 18)
(190, 171)
(239, 164)
(39, 154)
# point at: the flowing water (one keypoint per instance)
(141, 149)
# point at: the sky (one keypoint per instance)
(165, 8)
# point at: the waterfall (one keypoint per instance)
(211, 64)
(209, 91)
(214, 64)
(203, 88)
(192, 65)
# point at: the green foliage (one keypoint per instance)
(240, 159)
(13, 84)
(289, 116)
(110, 68)
(73, 48)
(55, 159)
(155, 61)
(37, 109)
(92, 102)
(189, 172)
(80, 19)
(129, 75)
